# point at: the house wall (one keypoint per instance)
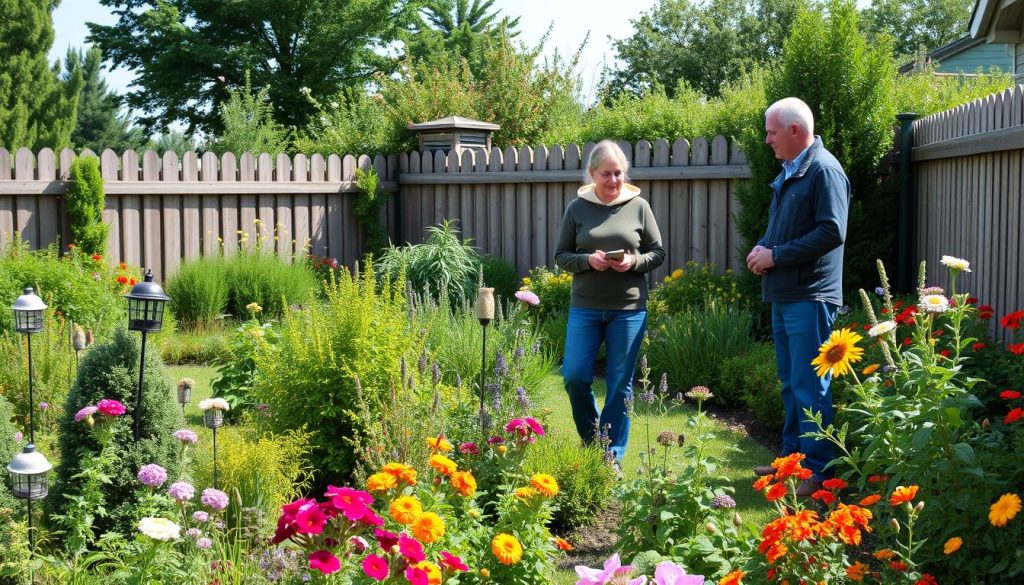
(983, 56)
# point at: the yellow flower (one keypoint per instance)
(545, 484)
(428, 528)
(506, 549)
(442, 464)
(837, 353)
(485, 572)
(952, 545)
(1004, 509)
(433, 572)
(871, 369)
(381, 482)
(525, 493)
(677, 273)
(401, 471)
(502, 449)
(464, 483)
(439, 443)
(406, 509)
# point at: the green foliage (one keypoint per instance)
(237, 370)
(501, 275)
(199, 292)
(917, 25)
(194, 347)
(37, 106)
(84, 203)
(100, 124)
(174, 140)
(751, 376)
(9, 447)
(554, 288)
(459, 29)
(82, 289)
(188, 55)
(248, 121)
(271, 281)
(351, 122)
(260, 471)
(693, 286)
(691, 345)
(367, 208)
(925, 93)
(111, 370)
(585, 481)
(704, 45)
(442, 264)
(308, 379)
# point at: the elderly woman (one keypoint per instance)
(609, 241)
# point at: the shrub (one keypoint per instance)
(554, 288)
(692, 287)
(585, 481)
(442, 263)
(84, 203)
(308, 379)
(691, 345)
(193, 347)
(111, 370)
(199, 292)
(272, 282)
(367, 209)
(752, 377)
(249, 125)
(9, 447)
(501, 275)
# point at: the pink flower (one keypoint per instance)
(528, 297)
(215, 499)
(411, 549)
(108, 407)
(152, 475)
(375, 567)
(469, 449)
(669, 573)
(524, 426)
(310, 519)
(612, 568)
(44, 405)
(186, 436)
(324, 562)
(181, 491)
(385, 539)
(495, 440)
(359, 544)
(450, 561)
(416, 576)
(204, 543)
(85, 413)
(371, 519)
(354, 504)
(534, 426)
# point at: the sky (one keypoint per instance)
(570, 21)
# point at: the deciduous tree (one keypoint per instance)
(916, 24)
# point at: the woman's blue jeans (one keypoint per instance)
(622, 333)
(799, 329)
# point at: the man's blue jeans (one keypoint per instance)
(622, 332)
(799, 329)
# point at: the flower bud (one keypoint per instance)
(484, 572)
(895, 525)
(985, 424)
(710, 527)
(919, 507)
(474, 514)
(737, 520)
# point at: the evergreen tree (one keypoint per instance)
(100, 123)
(37, 107)
(460, 29)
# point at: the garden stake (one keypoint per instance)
(484, 314)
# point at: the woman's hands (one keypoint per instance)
(598, 261)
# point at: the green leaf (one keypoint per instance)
(964, 453)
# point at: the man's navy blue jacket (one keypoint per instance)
(806, 231)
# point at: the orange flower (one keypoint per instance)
(834, 484)
(122, 279)
(428, 528)
(1004, 510)
(464, 483)
(439, 443)
(132, 281)
(871, 369)
(562, 544)
(902, 495)
(406, 509)
(122, 266)
(884, 554)
(506, 549)
(433, 572)
(952, 545)
(857, 571)
(762, 482)
(733, 578)
(442, 464)
(870, 500)
(788, 465)
(381, 482)
(545, 484)
(402, 472)
(776, 492)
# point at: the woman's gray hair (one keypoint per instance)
(793, 110)
(604, 150)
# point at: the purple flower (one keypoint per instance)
(152, 475)
(200, 516)
(193, 533)
(186, 436)
(523, 399)
(181, 491)
(215, 499)
(500, 366)
(85, 413)
(18, 436)
(723, 501)
(528, 297)
(44, 405)
(204, 543)
(520, 352)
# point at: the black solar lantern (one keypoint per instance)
(28, 312)
(29, 471)
(146, 304)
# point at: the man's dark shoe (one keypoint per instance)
(808, 487)
(762, 470)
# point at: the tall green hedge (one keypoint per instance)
(84, 203)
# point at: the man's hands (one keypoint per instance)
(598, 261)
(759, 260)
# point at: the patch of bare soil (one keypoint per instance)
(593, 544)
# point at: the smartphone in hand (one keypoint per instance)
(616, 255)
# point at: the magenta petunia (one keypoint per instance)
(411, 549)
(385, 539)
(108, 407)
(416, 576)
(534, 425)
(450, 561)
(375, 567)
(371, 519)
(310, 519)
(469, 449)
(324, 561)
(354, 504)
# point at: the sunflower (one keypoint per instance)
(428, 528)
(545, 484)
(1004, 509)
(406, 509)
(506, 549)
(836, 354)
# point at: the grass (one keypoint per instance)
(204, 377)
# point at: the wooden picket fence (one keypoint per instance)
(510, 202)
(968, 196)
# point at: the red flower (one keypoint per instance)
(867, 326)
(985, 311)
(944, 353)
(324, 561)
(776, 492)
(978, 346)
(906, 316)
(907, 341)
(926, 579)
(885, 310)
(878, 478)
(132, 281)
(972, 301)
(1014, 415)
(1009, 394)
(122, 279)
(834, 484)
(1012, 321)
(96, 257)
(824, 496)
(1016, 348)
(898, 565)
(898, 304)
